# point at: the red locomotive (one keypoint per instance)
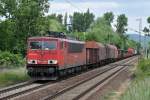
(55, 55)
(49, 56)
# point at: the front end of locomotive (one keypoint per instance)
(42, 59)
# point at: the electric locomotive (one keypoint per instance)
(54, 55)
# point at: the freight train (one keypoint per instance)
(55, 55)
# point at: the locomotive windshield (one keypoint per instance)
(44, 45)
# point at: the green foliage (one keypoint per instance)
(81, 21)
(92, 37)
(143, 67)
(79, 35)
(131, 43)
(148, 20)
(58, 17)
(109, 16)
(146, 30)
(22, 19)
(65, 20)
(122, 22)
(7, 41)
(138, 90)
(100, 31)
(8, 59)
(13, 76)
(54, 25)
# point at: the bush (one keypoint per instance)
(144, 67)
(8, 59)
(138, 90)
(13, 76)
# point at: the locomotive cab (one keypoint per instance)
(42, 59)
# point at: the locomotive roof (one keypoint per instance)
(61, 39)
(44, 37)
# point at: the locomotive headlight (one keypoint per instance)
(32, 61)
(52, 61)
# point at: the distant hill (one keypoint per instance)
(135, 37)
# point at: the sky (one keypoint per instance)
(133, 9)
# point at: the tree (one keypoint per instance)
(7, 8)
(109, 16)
(88, 19)
(78, 22)
(54, 25)
(7, 39)
(82, 21)
(122, 22)
(25, 18)
(28, 20)
(65, 20)
(148, 20)
(146, 30)
(59, 17)
(125, 38)
(52, 16)
(70, 28)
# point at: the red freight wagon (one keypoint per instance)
(95, 53)
(102, 52)
(92, 52)
(112, 52)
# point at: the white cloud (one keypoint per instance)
(62, 7)
(99, 5)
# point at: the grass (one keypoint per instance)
(138, 90)
(13, 76)
(108, 96)
(140, 87)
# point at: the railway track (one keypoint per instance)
(78, 90)
(20, 89)
(16, 86)
(28, 87)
